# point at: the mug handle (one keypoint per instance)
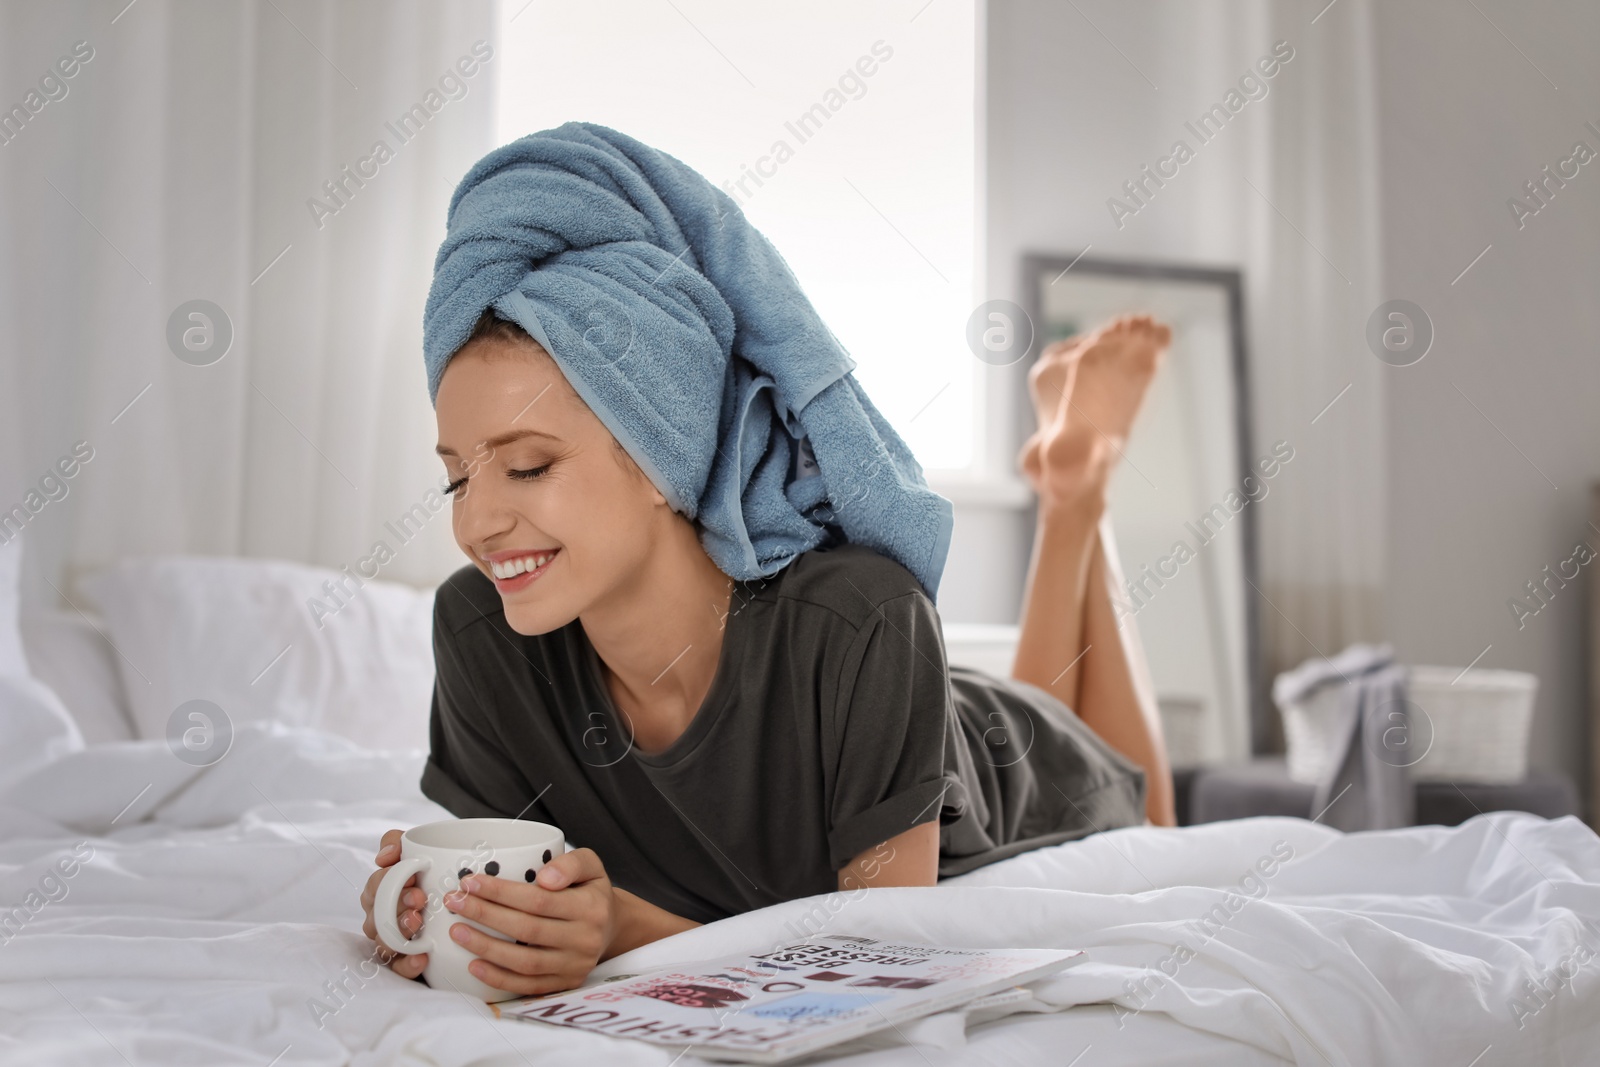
(386, 902)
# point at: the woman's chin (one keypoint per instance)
(531, 620)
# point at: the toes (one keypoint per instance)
(1063, 347)
(1028, 460)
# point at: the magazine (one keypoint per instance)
(791, 1001)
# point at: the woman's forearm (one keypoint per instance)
(640, 922)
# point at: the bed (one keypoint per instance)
(210, 915)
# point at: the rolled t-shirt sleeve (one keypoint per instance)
(465, 763)
(892, 720)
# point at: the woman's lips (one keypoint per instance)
(518, 582)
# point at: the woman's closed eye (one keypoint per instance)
(519, 475)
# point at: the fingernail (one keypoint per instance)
(470, 883)
(453, 901)
(386, 851)
(460, 932)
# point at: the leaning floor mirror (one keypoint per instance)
(1183, 499)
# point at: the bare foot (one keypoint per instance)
(1050, 382)
(1104, 383)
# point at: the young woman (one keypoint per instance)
(711, 745)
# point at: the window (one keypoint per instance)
(845, 130)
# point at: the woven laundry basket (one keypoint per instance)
(1470, 727)
(1183, 720)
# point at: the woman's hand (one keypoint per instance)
(412, 899)
(563, 923)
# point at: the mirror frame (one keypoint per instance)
(1035, 265)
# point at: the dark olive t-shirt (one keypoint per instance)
(832, 725)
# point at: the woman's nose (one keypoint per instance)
(480, 517)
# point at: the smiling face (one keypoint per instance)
(545, 501)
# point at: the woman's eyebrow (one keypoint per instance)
(501, 439)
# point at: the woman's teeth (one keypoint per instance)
(510, 568)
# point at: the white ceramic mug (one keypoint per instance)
(440, 854)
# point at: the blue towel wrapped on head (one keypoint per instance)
(686, 333)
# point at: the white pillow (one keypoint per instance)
(69, 655)
(34, 728)
(988, 647)
(267, 640)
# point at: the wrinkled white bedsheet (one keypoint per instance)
(217, 904)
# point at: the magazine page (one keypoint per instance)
(792, 1000)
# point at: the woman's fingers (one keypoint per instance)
(522, 958)
(404, 966)
(409, 915)
(571, 868)
(533, 899)
(409, 909)
(524, 985)
(518, 923)
(558, 924)
(369, 892)
(389, 848)
(409, 966)
(411, 896)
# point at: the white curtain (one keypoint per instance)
(1295, 203)
(1314, 270)
(180, 165)
(1080, 96)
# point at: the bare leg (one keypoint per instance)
(1086, 393)
(1116, 695)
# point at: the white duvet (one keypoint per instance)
(211, 917)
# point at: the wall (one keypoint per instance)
(1484, 450)
(1495, 435)
(1081, 96)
